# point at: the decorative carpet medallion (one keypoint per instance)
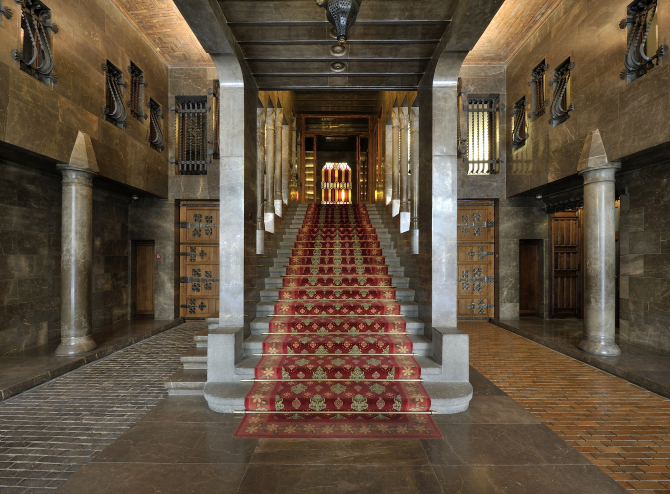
(337, 362)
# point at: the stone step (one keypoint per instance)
(245, 368)
(195, 358)
(201, 337)
(410, 309)
(422, 345)
(187, 382)
(413, 325)
(394, 270)
(447, 397)
(277, 281)
(402, 294)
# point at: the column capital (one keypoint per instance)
(600, 173)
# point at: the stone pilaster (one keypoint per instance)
(599, 248)
(295, 159)
(76, 260)
(279, 123)
(270, 168)
(260, 157)
(414, 179)
(285, 160)
(395, 164)
(388, 163)
(403, 170)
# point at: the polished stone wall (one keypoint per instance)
(191, 81)
(644, 242)
(110, 257)
(631, 117)
(481, 80)
(518, 219)
(30, 257)
(45, 121)
(158, 220)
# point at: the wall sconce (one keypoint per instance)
(341, 14)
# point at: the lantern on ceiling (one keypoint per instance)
(341, 14)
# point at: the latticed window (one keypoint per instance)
(538, 84)
(482, 134)
(642, 47)
(561, 104)
(115, 109)
(519, 125)
(192, 154)
(156, 136)
(137, 85)
(36, 57)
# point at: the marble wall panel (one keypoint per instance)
(645, 258)
(45, 120)
(630, 116)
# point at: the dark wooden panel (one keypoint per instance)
(144, 285)
(412, 66)
(245, 32)
(529, 279)
(308, 11)
(566, 265)
(337, 81)
(353, 50)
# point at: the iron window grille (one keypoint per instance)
(642, 49)
(36, 57)
(561, 104)
(519, 125)
(192, 153)
(115, 109)
(137, 85)
(156, 137)
(538, 84)
(479, 128)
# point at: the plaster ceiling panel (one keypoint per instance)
(509, 30)
(163, 27)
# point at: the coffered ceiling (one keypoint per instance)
(288, 44)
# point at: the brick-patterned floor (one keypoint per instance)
(621, 428)
(49, 432)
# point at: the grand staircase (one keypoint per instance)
(448, 394)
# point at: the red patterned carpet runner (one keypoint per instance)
(337, 362)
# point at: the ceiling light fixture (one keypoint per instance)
(341, 14)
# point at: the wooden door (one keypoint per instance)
(144, 279)
(529, 278)
(199, 254)
(476, 260)
(566, 265)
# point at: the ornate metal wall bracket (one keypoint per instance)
(559, 111)
(6, 11)
(156, 138)
(639, 22)
(137, 85)
(520, 128)
(115, 109)
(36, 57)
(538, 96)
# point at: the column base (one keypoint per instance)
(600, 347)
(415, 241)
(395, 207)
(260, 242)
(76, 346)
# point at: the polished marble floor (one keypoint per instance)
(620, 427)
(495, 447)
(646, 368)
(25, 369)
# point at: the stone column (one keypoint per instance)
(599, 250)
(279, 122)
(395, 168)
(260, 183)
(295, 160)
(388, 163)
(403, 170)
(76, 260)
(285, 161)
(270, 168)
(414, 179)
